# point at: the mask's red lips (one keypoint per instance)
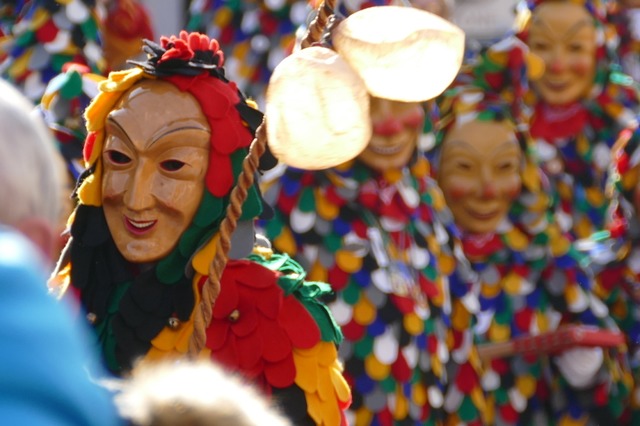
(139, 227)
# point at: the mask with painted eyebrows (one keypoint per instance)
(155, 161)
(563, 34)
(479, 173)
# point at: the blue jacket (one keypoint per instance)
(45, 366)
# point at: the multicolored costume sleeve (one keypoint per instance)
(626, 24)
(531, 278)
(268, 323)
(615, 252)
(44, 36)
(63, 103)
(386, 243)
(573, 143)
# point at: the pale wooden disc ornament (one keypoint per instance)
(402, 53)
(317, 109)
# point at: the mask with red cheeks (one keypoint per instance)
(563, 34)
(480, 173)
(396, 127)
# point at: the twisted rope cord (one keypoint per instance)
(319, 23)
(211, 288)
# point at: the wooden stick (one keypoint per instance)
(565, 337)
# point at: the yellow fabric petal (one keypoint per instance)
(306, 372)
(436, 366)
(568, 421)
(348, 261)
(560, 246)
(223, 17)
(419, 394)
(364, 312)
(327, 353)
(478, 398)
(499, 333)
(285, 242)
(490, 291)
(413, 324)
(325, 386)
(322, 403)
(96, 112)
(402, 405)
(314, 407)
(340, 383)
(526, 385)
(318, 272)
(516, 239)
(512, 283)
(203, 258)
(19, 66)
(447, 264)
(531, 177)
(542, 321)
(375, 369)
(59, 283)
(392, 175)
(460, 317)
(363, 416)
(90, 192)
(437, 199)
(326, 210)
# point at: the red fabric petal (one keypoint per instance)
(228, 298)
(89, 142)
(338, 278)
(286, 203)
(251, 274)
(298, 324)
(248, 319)
(508, 414)
(269, 301)
(47, 32)
(523, 319)
(353, 331)
(280, 374)
(400, 369)
(219, 177)
(227, 355)
(256, 373)
(405, 305)
(428, 288)
(250, 350)
(277, 345)
(467, 379)
(500, 366)
(217, 334)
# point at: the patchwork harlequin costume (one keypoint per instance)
(531, 279)
(383, 238)
(573, 141)
(267, 322)
(615, 252)
(62, 105)
(387, 245)
(43, 37)
(255, 36)
(626, 22)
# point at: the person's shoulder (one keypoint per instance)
(18, 257)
